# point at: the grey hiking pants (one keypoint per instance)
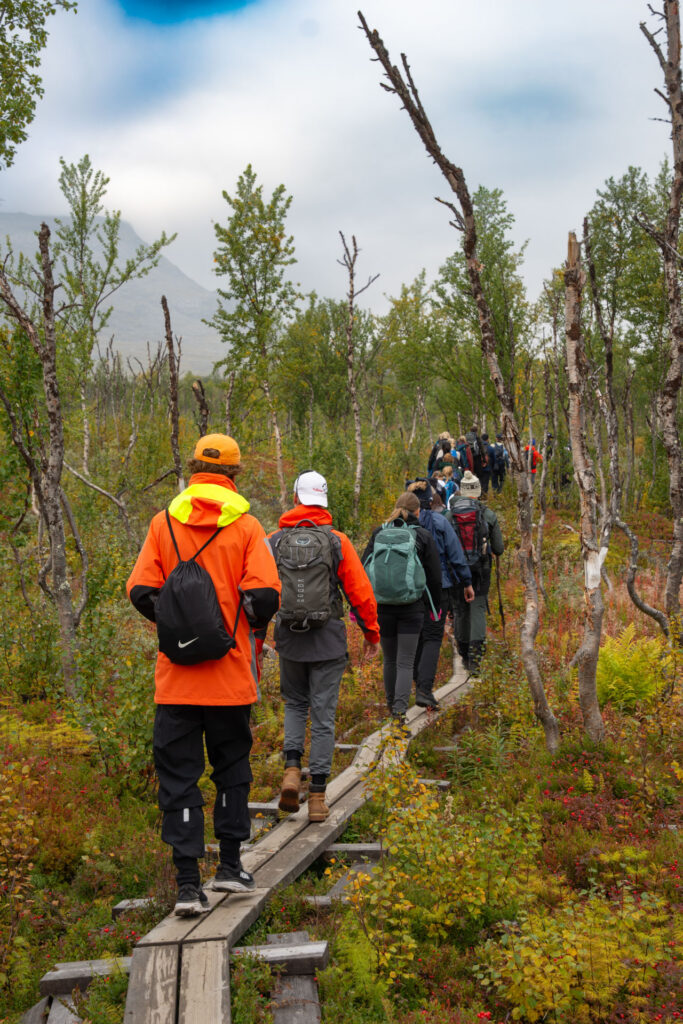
(311, 686)
(399, 631)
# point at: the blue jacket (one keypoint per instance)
(454, 567)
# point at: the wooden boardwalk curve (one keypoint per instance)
(180, 969)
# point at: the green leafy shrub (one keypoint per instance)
(632, 672)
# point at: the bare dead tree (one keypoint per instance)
(200, 396)
(173, 367)
(542, 504)
(45, 465)
(612, 516)
(228, 402)
(348, 261)
(463, 220)
(593, 556)
(667, 239)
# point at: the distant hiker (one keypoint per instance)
(450, 483)
(455, 576)
(402, 561)
(500, 461)
(486, 462)
(480, 536)
(532, 457)
(317, 564)
(206, 609)
(441, 446)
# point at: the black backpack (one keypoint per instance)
(474, 443)
(498, 457)
(188, 616)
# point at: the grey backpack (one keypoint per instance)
(306, 564)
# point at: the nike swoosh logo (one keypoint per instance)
(188, 642)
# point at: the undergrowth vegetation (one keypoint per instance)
(536, 888)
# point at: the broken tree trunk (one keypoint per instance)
(173, 366)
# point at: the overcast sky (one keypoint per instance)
(172, 98)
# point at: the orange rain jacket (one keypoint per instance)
(329, 642)
(240, 563)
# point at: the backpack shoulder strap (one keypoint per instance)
(199, 551)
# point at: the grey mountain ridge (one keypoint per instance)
(137, 317)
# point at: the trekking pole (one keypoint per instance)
(500, 599)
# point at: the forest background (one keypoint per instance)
(93, 447)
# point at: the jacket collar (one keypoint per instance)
(316, 513)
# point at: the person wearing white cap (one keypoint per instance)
(317, 564)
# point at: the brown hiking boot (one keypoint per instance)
(289, 790)
(317, 808)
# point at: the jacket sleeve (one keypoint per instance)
(495, 533)
(147, 577)
(260, 584)
(455, 556)
(357, 588)
(369, 546)
(431, 563)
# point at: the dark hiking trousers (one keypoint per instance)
(311, 687)
(399, 631)
(180, 731)
(429, 644)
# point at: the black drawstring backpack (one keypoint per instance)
(188, 616)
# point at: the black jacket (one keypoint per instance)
(427, 552)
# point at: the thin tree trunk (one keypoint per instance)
(311, 413)
(463, 220)
(86, 430)
(668, 243)
(173, 365)
(200, 396)
(349, 262)
(228, 404)
(542, 485)
(584, 473)
(279, 460)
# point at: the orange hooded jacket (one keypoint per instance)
(240, 563)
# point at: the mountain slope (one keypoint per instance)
(137, 317)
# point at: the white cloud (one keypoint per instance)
(542, 100)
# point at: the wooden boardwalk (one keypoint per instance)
(179, 972)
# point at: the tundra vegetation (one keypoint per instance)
(545, 884)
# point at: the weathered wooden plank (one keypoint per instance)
(338, 890)
(295, 1000)
(153, 986)
(231, 918)
(204, 983)
(173, 929)
(372, 851)
(37, 1013)
(64, 978)
(264, 810)
(63, 1011)
(304, 958)
(436, 783)
(345, 747)
(126, 906)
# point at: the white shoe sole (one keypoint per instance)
(231, 887)
(190, 909)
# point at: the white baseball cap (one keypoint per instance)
(311, 488)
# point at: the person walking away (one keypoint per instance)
(455, 573)
(480, 536)
(532, 457)
(402, 561)
(486, 463)
(441, 446)
(316, 564)
(450, 483)
(205, 558)
(499, 464)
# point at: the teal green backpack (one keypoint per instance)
(393, 566)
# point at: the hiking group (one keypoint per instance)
(211, 581)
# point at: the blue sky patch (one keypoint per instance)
(172, 12)
(531, 104)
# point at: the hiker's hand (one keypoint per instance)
(370, 650)
(468, 594)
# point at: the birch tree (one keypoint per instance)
(401, 84)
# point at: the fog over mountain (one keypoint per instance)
(137, 316)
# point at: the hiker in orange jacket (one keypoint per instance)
(210, 700)
(313, 656)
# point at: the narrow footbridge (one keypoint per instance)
(180, 970)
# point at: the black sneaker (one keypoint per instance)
(426, 700)
(233, 879)
(192, 900)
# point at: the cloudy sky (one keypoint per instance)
(172, 98)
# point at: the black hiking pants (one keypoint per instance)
(180, 731)
(429, 644)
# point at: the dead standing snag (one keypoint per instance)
(463, 220)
